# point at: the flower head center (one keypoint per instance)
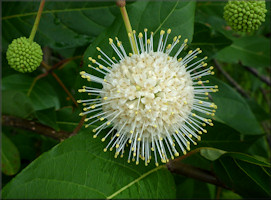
(148, 91)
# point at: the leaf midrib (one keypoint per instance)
(174, 7)
(253, 179)
(248, 51)
(52, 11)
(135, 181)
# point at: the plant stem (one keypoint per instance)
(37, 20)
(128, 26)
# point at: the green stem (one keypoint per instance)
(37, 20)
(128, 27)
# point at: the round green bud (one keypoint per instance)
(245, 16)
(24, 55)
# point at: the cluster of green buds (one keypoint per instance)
(245, 16)
(24, 55)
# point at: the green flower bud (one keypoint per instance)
(245, 16)
(24, 55)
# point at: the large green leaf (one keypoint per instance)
(62, 25)
(78, 168)
(233, 110)
(10, 157)
(177, 15)
(42, 96)
(246, 175)
(253, 51)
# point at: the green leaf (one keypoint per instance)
(48, 117)
(16, 103)
(258, 111)
(188, 188)
(223, 137)
(260, 148)
(249, 159)
(62, 24)
(177, 15)
(68, 118)
(209, 41)
(42, 96)
(214, 154)
(10, 157)
(25, 141)
(211, 153)
(211, 14)
(198, 161)
(252, 51)
(78, 168)
(29, 143)
(227, 194)
(233, 110)
(246, 178)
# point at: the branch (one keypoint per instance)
(231, 80)
(194, 172)
(34, 126)
(256, 73)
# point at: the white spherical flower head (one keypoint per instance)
(150, 93)
(149, 98)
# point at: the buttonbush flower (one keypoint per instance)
(153, 98)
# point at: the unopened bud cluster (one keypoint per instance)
(245, 16)
(24, 55)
